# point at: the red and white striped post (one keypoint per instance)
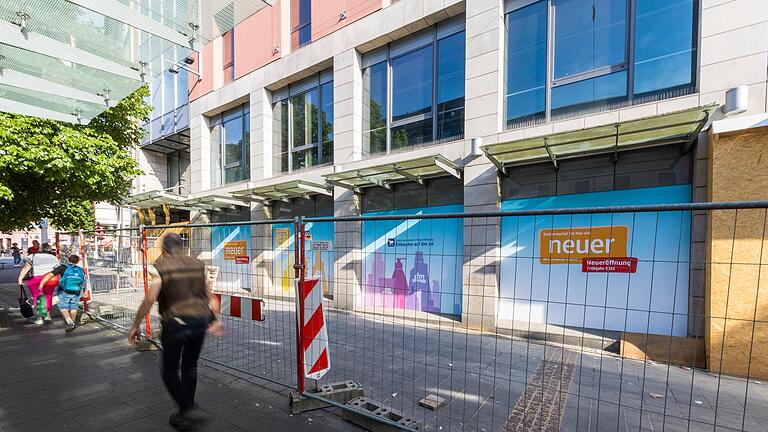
(145, 272)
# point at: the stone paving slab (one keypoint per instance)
(91, 380)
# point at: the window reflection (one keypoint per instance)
(230, 149)
(423, 77)
(527, 62)
(303, 125)
(412, 84)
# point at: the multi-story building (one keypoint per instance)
(349, 107)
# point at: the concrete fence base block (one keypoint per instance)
(145, 345)
(379, 410)
(340, 392)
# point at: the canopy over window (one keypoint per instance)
(679, 127)
(161, 198)
(70, 60)
(282, 191)
(416, 170)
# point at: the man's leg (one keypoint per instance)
(189, 358)
(173, 342)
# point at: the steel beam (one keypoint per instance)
(131, 17)
(11, 35)
(14, 78)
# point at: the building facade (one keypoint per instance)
(395, 107)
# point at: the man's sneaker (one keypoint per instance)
(180, 422)
(39, 321)
(70, 327)
(47, 319)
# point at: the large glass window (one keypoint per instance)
(303, 126)
(301, 22)
(592, 55)
(414, 90)
(230, 149)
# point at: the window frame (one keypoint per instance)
(301, 88)
(627, 65)
(218, 121)
(400, 48)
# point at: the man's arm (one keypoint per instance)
(155, 285)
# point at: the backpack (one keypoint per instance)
(72, 280)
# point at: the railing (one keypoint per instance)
(605, 318)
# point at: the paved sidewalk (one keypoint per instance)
(91, 380)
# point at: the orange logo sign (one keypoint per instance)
(572, 245)
(234, 249)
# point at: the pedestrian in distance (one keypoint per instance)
(70, 289)
(36, 266)
(186, 313)
(35, 248)
(16, 254)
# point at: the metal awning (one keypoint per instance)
(416, 170)
(154, 198)
(70, 60)
(282, 191)
(213, 202)
(680, 127)
(158, 198)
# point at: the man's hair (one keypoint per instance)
(172, 243)
(73, 259)
(45, 247)
(14, 244)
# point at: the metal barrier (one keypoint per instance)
(605, 318)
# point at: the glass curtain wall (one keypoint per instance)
(413, 90)
(571, 57)
(303, 124)
(230, 149)
(301, 22)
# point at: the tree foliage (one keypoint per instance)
(58, 170)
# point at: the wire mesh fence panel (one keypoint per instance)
(113, 259)
(630, 318)
(580, 321)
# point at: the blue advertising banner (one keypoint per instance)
(622, 272)
(414, 264)
(318, 248)
(231, 254)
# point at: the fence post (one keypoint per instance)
(145, 276)
(58, 248)
(81, 239)
(298, 265)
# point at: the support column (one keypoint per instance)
(484, 83)
(480, 295)
(262, 255)
(262, 135)
(348, 261)
(484, 117)
(200, 153)
(348, 107)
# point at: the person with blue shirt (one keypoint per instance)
(70, 289)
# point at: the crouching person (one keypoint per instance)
(71, 282)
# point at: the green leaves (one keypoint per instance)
(58, 170)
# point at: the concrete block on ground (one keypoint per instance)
(341, 392)
(377, 409)
(432, 402)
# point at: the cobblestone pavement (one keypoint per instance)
(91, 380)
(490, 383)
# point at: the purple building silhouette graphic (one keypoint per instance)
(415, 292)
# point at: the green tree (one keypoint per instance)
(58, 170)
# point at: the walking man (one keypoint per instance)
(16, 254)
(184, 304)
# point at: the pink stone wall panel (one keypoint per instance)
(255, 39)
(197, 87)
(326, 14)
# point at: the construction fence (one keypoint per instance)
(650, 317)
